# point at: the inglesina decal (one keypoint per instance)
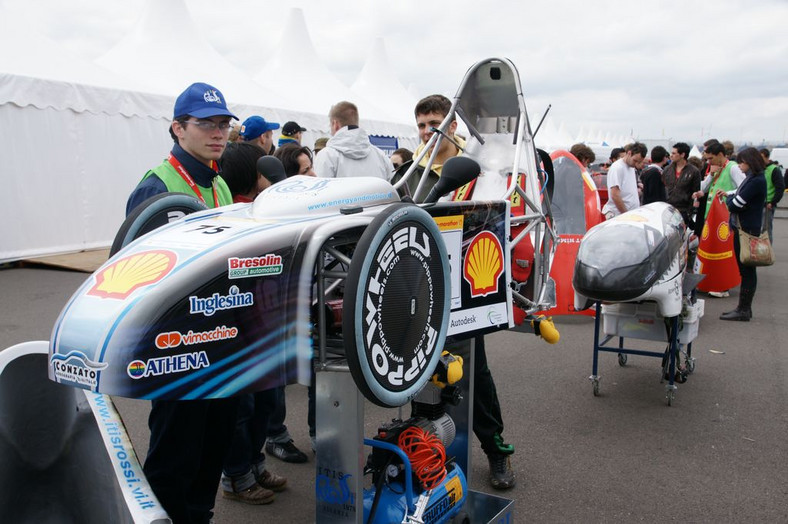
(216, 302)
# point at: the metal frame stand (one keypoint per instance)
(674, 349)
(341, 455)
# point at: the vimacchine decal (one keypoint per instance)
(216, 302)
(172, 339)
(77, 368)
(154, 367)
(248, 267)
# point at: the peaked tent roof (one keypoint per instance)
(47, 75)
(378, 82)
(173, 56)
(44, 58)
(296, 68)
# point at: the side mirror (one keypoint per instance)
(271, 168)
(456, 172)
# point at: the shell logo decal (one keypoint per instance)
(120, 279)
(723, 231)
(483, 264)
(705, 232)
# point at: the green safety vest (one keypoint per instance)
(769, 183)
(723, 183)
(175, 183)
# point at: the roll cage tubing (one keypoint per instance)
(534, 216)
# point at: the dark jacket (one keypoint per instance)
(778, 182)
(747, 204)
(653, 187)
(680, 190)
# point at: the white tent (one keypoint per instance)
(547, 137)
(564, 137)
(296, 68)
(76, 138)
(73, 145)
(169, 57)
(377, 81)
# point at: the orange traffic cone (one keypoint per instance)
(716, 258)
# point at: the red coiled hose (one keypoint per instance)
(427, 455)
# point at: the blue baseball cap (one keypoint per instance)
(255, 126)
(201, 101)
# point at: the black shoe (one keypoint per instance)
(737, 314)
(287, 452)
(501, 472)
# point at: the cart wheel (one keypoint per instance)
(691, 364)
(595, 383)
(670, 396)
(622, 359)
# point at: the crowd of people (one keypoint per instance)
(747, 183)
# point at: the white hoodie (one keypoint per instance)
(349, 153)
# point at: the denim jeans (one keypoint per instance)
(245, 460)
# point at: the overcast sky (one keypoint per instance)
(678, 70)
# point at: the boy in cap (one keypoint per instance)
(258, 131)
(291, 134)
(189, 439)
(200, 127)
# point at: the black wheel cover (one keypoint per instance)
(154, 212)
(396, 306)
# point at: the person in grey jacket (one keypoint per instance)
(349, 152)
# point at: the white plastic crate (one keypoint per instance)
(642, 321)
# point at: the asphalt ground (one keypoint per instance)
(718, 454)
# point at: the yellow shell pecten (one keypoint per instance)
(120, 279)
(484, 264)
(723, 231)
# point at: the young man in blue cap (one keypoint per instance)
(189, 439)
(256, 130)
(200, 127)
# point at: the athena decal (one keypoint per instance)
(154, 367)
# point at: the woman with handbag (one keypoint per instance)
(746, 207)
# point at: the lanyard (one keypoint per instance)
(174, 162)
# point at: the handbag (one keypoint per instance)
(754, 251)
